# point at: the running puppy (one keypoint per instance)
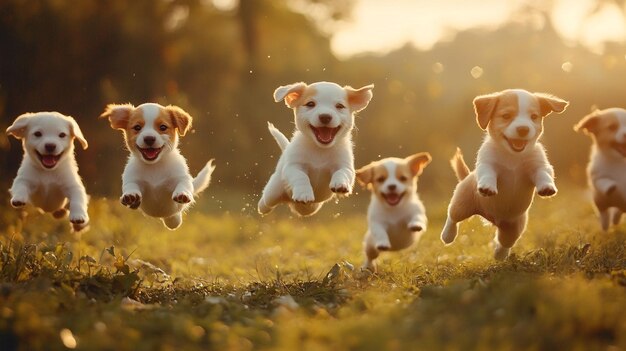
(510, 165)
(156, 178)
(606, 171)
(48, 175)
(318, 161)
(396, 217)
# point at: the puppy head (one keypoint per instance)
(47, 137)
(324, 111)
(150, 130)
(514, 118)
(390, 179)
(607, 128)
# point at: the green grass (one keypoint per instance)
(230, 280)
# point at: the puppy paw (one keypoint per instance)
(547, 190)
(303, 196)
(182, 197)
(79, 218)
(131, 201)
(342, 189)
(60, 213)
(18, 203)
(486, 190)
(416, 227)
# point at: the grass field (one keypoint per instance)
(230, 280)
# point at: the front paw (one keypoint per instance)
(303, 195)
(487, 190)
(18, 203)
(80, 218)
(547, 190)
(131, 200)
(182, 197)
(416, 227)
(340, 188)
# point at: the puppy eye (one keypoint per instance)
(340, 106)
(403, 178)
(163, 127)
(310, 104)
(37, 134)
(380, 179)
(506, 116)
(613, 127)
(62, 135)
(137, 127)
(534, 116)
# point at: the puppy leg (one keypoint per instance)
(544, 182)
(131, 195)
(20, 193)
(379, 237)
(605, 218)
(487, 179)
(462, 206)
(342, 180)
(183, 193)
(78, 205)
(371, 253)
(605, 186)
(61, 212)
(300, 184)
(507, 234)
(417, 223)
(273, 194)
(305, 210)
(616, 216)
(173, 222)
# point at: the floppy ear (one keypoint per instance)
(77, 133)
(418, 162)
(18, 128)
(365, 174)
(118, 115)
(358, 99)
(290, 93)
(589, 123)
(182, 120)
(484, 105)
(549, 103)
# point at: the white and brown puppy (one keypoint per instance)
(510, 165)
(318, 162)
(606, 171)
(48, 175)
(396, 217)
(156, 178)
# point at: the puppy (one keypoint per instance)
(156, 178)
(396, 216)
(318, 161)
(606, 171)
(48, 175)
(510, 165)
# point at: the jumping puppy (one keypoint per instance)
(606, 171)
(510, 165)
(48, 176)
(318, 161)
(156, 178)
(396, 216)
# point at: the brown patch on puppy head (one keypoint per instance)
(118, 115)
(485, 106)
(134, 125)
(358, 99)
(372, 174)
(549, 103)
(292, 94)
(417, 162)
(179, 118)
(601, 126)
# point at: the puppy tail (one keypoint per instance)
(202, 180)
(280, 138)
(459, 166)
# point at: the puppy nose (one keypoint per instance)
(50, 147)
(149, 140)
(325, 118)
(522, 131)
(391, 187)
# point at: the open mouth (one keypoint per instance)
(517, 145)
(49, 161)
(619, 147)
(392, 198)
(325, 135)
(150, 153)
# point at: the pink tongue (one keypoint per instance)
(49, 160)
(151, 153)
(325, 134)
(393, 198)
(519, 143)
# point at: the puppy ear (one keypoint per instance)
(359, 98)
(484, 105)
(118, 115)
(365, 174)
(549, 103)
(589, 123)
(19, 126)
(418, 162)
(182, 120)
(290, 93)
(77, 133)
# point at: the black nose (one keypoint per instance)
(522, 131)
(149, 140)
(325, 118)
(50, 147)
(391, 187)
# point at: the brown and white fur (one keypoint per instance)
(510, 165)
(318, 162)
(396, 217)
(606, 171)
(48, 175)
(156, 178)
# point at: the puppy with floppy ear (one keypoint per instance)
(156, 178)
(511, 164)
(606, 171)
(318, 162)
(396, 216)
(48, 175)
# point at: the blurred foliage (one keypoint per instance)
(222, 65)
